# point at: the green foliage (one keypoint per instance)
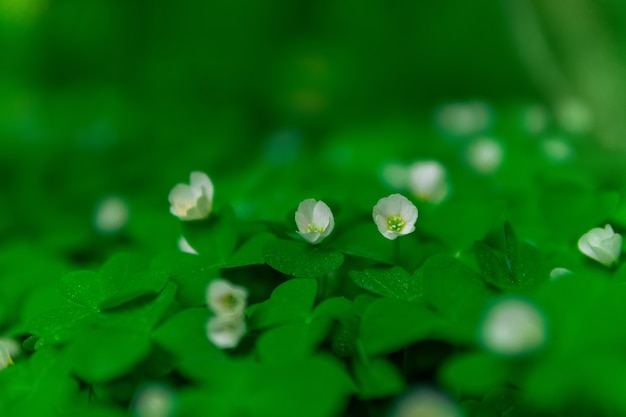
(279, 103)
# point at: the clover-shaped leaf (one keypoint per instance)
(392, 282)
(301, 259)
(121, 279)
(292, 301)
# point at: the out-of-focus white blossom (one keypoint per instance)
(512, 327)
(154, 401)
(111, 215)
(315, 221)
(574, 116)
(193, 201)
(485, 155)
(225, 332)
(602, 245)
(425, 402)
(428, 181)
(225, 298)
(464, 119)
(394, 216)
(557, 150)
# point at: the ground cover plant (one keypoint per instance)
(320, 209)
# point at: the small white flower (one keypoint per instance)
(154, 400)
(603, 245)
(428, 181)
(111, 215)
(485, 155)
(512, 327)
(395, 216)
(314, 220)
(225, 332)
(9, 348)
(226, 299)
(185, 247)
(425, 401)
(464, 118)
(194, 201)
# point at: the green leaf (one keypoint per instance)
(290, 302)
(365, 241)
(214, 238)
(494, 269)
(100, 355)
(191, 273)
(120, 280)
(475, 374)
(291, 342)
(251, 252)
(521, 268)
(387, 325)
(341, 311)
(378, 378)
(525, 261)
(456, 291)
(392, 282)
(59, 325)
(301, 259)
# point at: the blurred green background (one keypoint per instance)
(278, 100)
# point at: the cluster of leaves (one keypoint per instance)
(347, 327)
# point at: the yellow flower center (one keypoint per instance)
(395, 223)
(230, 301)
(314, 228)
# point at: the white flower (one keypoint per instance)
(603, 245)
(185, 247)
(314, 220)
(194, 201)
(226, 299)
(485, 155)
(464, 119)
(154, 400)
(9, 348)
(428, 182)
(512, 327)
(425, 401)
(225, 332)
(111, 215)
(395, 216)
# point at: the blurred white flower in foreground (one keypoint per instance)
(512, 327)
(9, 349)
(314, 220)
(602, 245)
(226, 299)
(464, 119)
(225, 332)
(185, 247)
(228, 302)
(194, 201)
(394, 216)
(428, 181)
(485, 155)
(425, 402)
(154, 401)
(111, 215)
